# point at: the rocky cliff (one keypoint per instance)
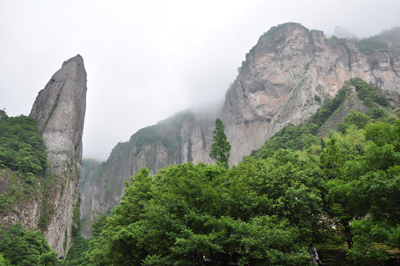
(59, 111)
(288, 74)
(286, 77)
(48, 203)
(185, 137)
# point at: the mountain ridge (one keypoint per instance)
(286, 77)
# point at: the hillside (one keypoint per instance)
(356, 104)
(286, 77)
(334, 202)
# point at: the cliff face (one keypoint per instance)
(185, 137)
(285, 78)
(59, 111)
(47, 203)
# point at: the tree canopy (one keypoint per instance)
(339, 193)
(220, 147)
(25, 248)
(265, 211)
(21, 145)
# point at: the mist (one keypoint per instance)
(147, 60)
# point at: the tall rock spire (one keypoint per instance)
(59, 111)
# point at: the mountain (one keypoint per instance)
(286, 77)
(49, 200)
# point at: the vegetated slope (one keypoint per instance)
(22, 147)
(386, 41)
(19, 246)
(23, 163)
(41, 192)
(285, 78)
(181, 138)
(267, 211)
(356, 103)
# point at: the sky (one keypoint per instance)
(149, 59)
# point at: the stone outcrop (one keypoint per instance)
(285, 78)
(285, 74)
(185, 137)
(48, 202)
(59, 111)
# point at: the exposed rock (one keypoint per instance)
(278, 83)
(285, 79)
(59, 111)
(184, 137)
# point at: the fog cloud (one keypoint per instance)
(147, 60)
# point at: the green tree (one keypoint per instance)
(3, 261)
(98, 225)
(358, 119)
(203, 215)
(368, 186)
(74, 256)
(220, 148)
(22, 247)
(21, 146)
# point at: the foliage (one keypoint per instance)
(360, 165)
(327, 109)
(163, 132)
(17, 192)
(368, 92)
(3, 261)
(22, 247)
(76, 222)
(22, 148)
(266, 211)
(291, 137)
(358, 119)
(220, 147)
(98, 225)
(342, 42)
(303, 137)
(368, 46)
(368, 186)
(208, 215)
(47, 189)
(340, 191)
(372, 44)
(76, 251)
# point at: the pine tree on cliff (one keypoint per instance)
(220, 148)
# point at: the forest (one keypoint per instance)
(337, 193)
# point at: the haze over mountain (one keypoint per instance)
(149, 60)
(287, 76)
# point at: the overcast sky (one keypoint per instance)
(147, 60)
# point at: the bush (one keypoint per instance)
(23, 247)
(21, 146)
(368, 93)
(370, 45)
(376, 113)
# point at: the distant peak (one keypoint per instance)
(78, 58)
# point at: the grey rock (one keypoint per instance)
(59, 111)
